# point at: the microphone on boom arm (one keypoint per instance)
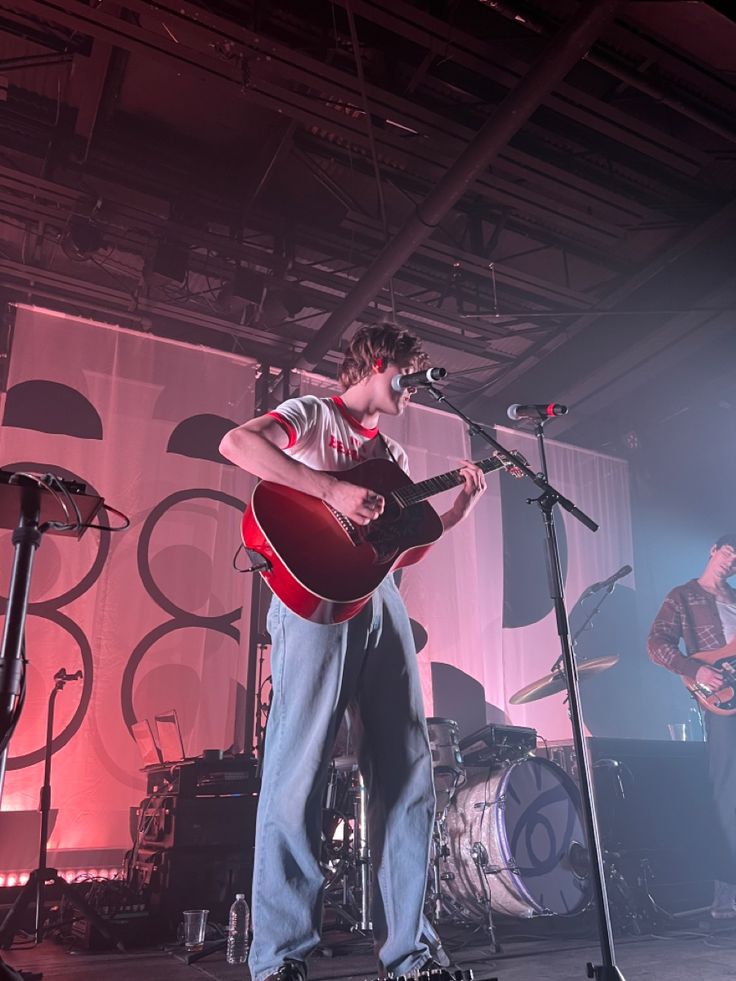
(417, 378)
(607, 583)
(541, 410)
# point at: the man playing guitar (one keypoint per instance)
(366, 665)
(702, 613)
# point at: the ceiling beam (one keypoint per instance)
(636, 80)
(716, 225)
(564, 52)
(277, 78)
(476, 54)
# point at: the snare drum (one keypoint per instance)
(511, 834)
(447, 763)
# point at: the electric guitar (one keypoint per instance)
(325, 567)
(722, 701)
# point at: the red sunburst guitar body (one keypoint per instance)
(320, 564)
(722, 701)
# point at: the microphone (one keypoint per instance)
(426, 377)
(536, 411)
(607, 583)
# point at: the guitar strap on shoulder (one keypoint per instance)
(388, 449)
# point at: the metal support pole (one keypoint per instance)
(26, 539)
(262, 404)
(565, 50)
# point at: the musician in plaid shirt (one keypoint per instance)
(702, 614)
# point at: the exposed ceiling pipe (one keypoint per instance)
(630, 77)
(564, 51)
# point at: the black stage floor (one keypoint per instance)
(689, 948)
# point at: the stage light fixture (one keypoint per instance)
(84, 236)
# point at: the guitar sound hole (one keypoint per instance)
(389, 533)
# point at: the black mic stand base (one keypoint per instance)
(604, 972)
(29, 894)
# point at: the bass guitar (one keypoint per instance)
(323, 566)
(723, 700)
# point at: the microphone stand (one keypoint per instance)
(586, 622)
(548, 498)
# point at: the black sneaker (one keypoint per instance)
(289, 971)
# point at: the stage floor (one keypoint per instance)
(695, 948)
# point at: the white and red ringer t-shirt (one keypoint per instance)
(325, 436)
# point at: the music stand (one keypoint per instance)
(146, 743)
(169, 737)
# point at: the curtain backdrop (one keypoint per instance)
(154, 616)
(151, 615)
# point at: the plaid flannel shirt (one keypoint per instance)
(689, 613)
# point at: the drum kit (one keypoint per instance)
(508, 833)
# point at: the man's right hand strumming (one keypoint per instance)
(359, 504)
(710, 677)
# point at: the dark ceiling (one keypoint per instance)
(544, 191)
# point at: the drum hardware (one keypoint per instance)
(448, 768)
(480, 858)
(363, 854)
(633, 906)
(481, 805)
(345, 849)
(448, 775)
(578, 860)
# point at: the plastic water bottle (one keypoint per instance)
(237, 933)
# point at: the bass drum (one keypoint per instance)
(522, 825)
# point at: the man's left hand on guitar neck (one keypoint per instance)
(474, 484)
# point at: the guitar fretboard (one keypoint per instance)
(415, 493)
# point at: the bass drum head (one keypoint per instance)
(525, 818)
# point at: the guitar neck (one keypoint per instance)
(415, 493)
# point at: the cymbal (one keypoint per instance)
(554, 682)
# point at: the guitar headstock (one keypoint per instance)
(510, 465)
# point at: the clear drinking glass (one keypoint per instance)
(195, 924)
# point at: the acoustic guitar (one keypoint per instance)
(325, 567)
(722, 701)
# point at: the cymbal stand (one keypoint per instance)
(440, 851)
(548, 499)
(363, 853)
(35, 888)
(557, 666)
(352, 868)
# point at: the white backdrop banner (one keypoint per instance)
(156, 616)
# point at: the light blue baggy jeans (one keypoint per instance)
(368, 666)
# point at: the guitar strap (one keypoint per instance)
(388, 449)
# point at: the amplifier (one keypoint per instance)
(170, 880)
(134, 927)
(173, 822)
(494, 744)
(655, 806)
(204, 776)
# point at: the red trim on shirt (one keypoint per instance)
(286, 426)
(352, 421)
